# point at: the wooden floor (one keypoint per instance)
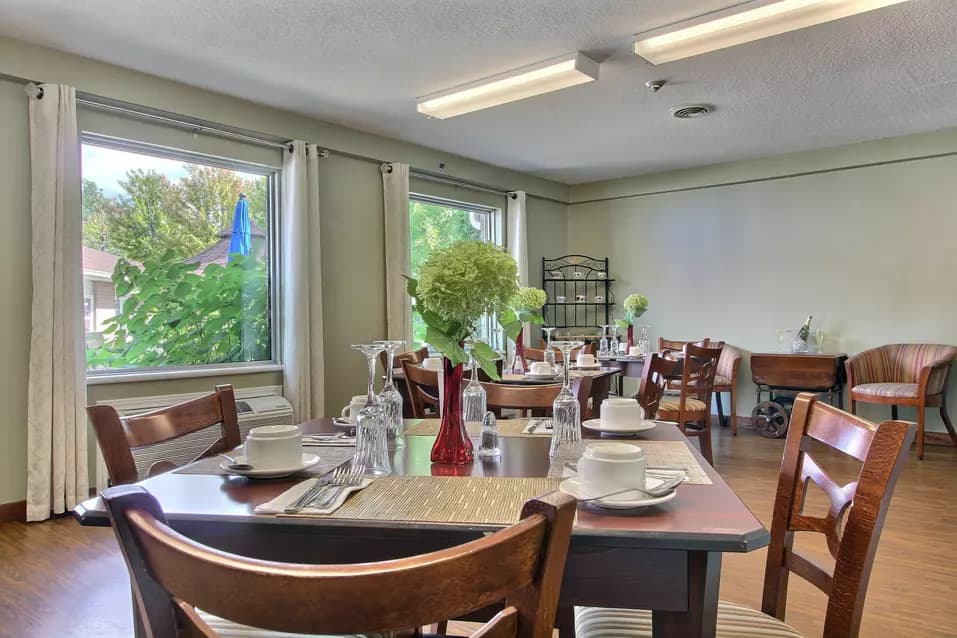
(58, 579)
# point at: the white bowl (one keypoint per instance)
(540, 368)
(610, 467)
(620, 413)
(274, 446)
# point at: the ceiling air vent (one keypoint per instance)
(691, 111)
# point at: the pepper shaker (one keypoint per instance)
(489, 446)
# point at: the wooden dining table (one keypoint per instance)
(666, 558)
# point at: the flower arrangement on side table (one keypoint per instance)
(456, 286)
(524, 307)
(635, 305)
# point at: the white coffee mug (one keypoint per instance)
(602, 274)
(620, 413)
(560, 299)
(586, 360)
(623, 348)
(540, 367)
(578, 274)
(634, 351)
(274, 446)
(599, 298)
(433, 363)
(351, 411)
(557, 274)
(581, 298)
(610, 467)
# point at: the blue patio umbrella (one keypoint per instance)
(241, 240)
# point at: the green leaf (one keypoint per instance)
(512, 329)
(486, 357)
(622, 323)
(531, 316)
(446, 345)
(123, 288)
(411, 285)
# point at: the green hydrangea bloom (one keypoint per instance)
(528, 298)
(636, 304)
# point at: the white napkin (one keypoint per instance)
(279, 504)
(328, 441)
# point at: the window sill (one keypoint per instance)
(182, 373)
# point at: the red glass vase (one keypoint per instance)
(520, 364)
(631, 336)
(452, 445)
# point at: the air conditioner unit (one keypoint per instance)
(254, 407)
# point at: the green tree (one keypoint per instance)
(97, 211)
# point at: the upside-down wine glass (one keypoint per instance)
(566, 412)
(389, 397)
(372, 447)
(603, 344)
(473, 397)
(549, 354)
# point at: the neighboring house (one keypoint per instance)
(219, 252)
(99, 295)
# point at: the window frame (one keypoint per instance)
(496, 232)
(273, 174)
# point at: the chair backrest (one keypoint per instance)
(118, 437)
(538, 398)
(538, 354)
(423, 389)
(900, 363)
(860, 505)
(657, 372)
(521, 565)
(672, 345)
(729, 362)
(415, 356)
(698, 368)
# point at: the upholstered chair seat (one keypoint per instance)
(904, 390)
(734, 621)
(229, 629)
(669, 407)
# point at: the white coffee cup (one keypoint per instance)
(274, 446)
(620, 413)
(433, 363)
(586, 360)
(560, 298)
(351, 411)
(540, 367)
(610, 467)
(634, 351)
(623, 347)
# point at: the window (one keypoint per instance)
(178, 258)
(435, 223)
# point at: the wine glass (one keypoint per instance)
(818, 339)
(473, 397)
(549, 355)
(372, 448)
(566, 412)
(613, 340)
(644, 345)
(781, 334)
(389, 397)
(603, 344)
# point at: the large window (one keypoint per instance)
(436, 223)
(177, 258)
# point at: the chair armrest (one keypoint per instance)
(933, 377)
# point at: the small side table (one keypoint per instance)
(782, 375)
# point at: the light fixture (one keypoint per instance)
(761, 19)
(535, 79)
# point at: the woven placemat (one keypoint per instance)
(445, 499)
(506, 427)
(329, 459)
(657, 454)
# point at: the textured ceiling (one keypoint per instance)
(362, 63)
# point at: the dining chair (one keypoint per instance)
(183, 588)
(674, 346)
(851, 527)
(537, 398)
(422, 387)
(726, 380)
(121, 439)
(538, 354)
(655, 376)
(691, 409)
(909, 374)
(415, 356)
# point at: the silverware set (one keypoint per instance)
(325, 492)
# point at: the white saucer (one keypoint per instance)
(594, 367)
(629, 500)
(595, 424)
(308, 460)
(541, 377)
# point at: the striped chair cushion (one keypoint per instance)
(734, 621)
(721, 380)
(229, 629)
(903, 390)
(669, 406)
(902, 363)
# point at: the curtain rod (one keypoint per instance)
(198, 125)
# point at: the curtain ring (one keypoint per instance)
(34, 90)
(386, 167)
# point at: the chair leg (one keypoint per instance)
(893, 412)
(705, 438)
(920, 433)
(733, 415)
(717, 400)
(946, 419)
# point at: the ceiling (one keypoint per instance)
(363, 63)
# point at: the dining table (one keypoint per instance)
(665, 558)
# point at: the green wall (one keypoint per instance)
(351, 220)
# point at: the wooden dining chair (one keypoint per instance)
(422, 387)
(655, 376)
(415, 356)
(726, 380)
(691, 409)
(536, 398)
(121, 439)
(852, 528)
(674, 346)
(183, 588)
(538, 354)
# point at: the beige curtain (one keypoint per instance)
(395, 192)
(302, 349)
(57, 476)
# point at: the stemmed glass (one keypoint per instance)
(603, 344)
(372, 448)
(389, 397)
(613, 341)
(473, 397)
(566, 413)
(549, 355)
(818, 339)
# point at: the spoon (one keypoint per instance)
(239, 467)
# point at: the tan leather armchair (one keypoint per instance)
(911, 374)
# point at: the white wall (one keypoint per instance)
(871, 251)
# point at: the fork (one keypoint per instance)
(345, 479)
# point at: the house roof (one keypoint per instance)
(218, 253)
(98, 263)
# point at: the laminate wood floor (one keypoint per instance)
(59, 579)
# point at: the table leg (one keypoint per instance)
(700, 619)
(565, 621)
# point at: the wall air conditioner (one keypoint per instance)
(254, 406)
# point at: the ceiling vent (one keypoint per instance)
(691, 111)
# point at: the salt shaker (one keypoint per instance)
(489, 446)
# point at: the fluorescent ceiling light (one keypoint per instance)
(543, 77)
(764, 18)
